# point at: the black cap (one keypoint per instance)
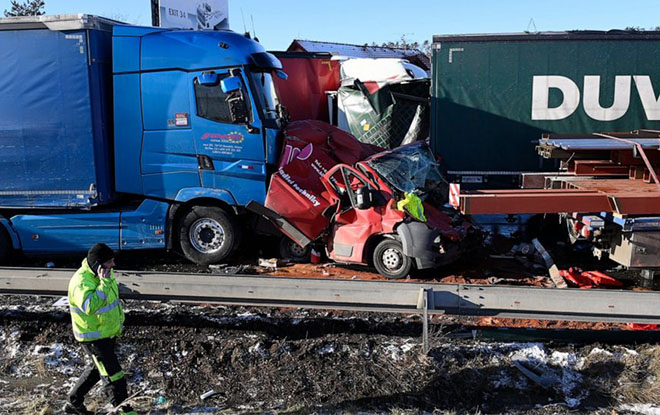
(99, 254)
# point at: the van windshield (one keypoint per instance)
(409, 169)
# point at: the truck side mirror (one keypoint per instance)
(208, 78)
(238, 108)
(231, 84)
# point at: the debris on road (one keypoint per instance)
(642, 327)
(270, 264)
(232, 269)
(552, 268)
(589, 279)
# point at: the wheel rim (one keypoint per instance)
(392, 259)
(297, 250)
(206, 235)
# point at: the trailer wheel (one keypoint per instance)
(293, 251)
(208, 235)
(390, 261)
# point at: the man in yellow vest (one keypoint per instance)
(97, 317)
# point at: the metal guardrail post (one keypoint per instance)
(423, 303)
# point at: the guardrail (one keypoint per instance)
(378, 296)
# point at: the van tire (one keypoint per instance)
(390, 261)
(293, 251)
(208, 235)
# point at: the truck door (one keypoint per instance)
(169, 157)
(230, 151)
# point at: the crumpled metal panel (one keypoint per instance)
(311, 148)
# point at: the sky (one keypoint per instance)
(277, 23)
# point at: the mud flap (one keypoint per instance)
(280, 223)
(417, 240)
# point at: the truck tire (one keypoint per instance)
(5, 246)
(208, 235)
(390, 261)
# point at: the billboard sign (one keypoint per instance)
(193, 14)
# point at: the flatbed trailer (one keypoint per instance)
(607, 192)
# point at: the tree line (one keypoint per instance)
(27, 8)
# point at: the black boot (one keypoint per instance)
(70, 408)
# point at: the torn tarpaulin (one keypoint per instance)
(589, 279)
(387, 114)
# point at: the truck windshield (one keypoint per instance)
(266, 94)
(410, 169)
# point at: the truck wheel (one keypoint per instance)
(5, 245)
(390, 261)
(208, 235)
(293, 251)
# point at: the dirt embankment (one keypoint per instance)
(289, 361)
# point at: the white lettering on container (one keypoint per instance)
(591, 100)
(541, 85)
(541, 96)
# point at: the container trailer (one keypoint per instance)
(496, 94)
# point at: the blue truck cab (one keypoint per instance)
(138, 137)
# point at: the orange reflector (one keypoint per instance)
(454, 194)
(181, 119)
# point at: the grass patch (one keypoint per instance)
(640, 382)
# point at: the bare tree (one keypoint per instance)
(641, 29)
(403, 43)
(28, 8)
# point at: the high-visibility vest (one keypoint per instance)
(96, 312)
(413, 205)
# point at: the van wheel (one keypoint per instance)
(293, 251)
(208, 235)
(390, 261)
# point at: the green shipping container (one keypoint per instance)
(493, 96)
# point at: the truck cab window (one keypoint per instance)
(266, 94)
(212, 102)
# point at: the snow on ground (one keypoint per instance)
(247, 354)
(643, 409)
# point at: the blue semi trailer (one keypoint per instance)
(138, 137)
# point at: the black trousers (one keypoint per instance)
(102, 352)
